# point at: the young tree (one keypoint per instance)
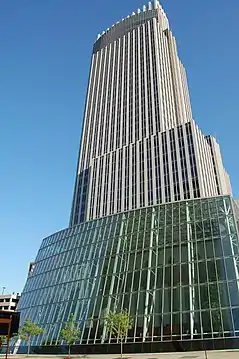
(70, 334)
(29, 330)
(3, 341)
(118, 324)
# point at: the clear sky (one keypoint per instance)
(45, 50)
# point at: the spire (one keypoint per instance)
(150, 5)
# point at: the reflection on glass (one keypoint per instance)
(174, 281)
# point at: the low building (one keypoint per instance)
(9, 301)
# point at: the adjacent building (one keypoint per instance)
(153, 227)
(9, 302)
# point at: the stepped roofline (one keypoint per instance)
(150, 6)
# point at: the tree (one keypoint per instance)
(3, 340)
(29, 330)
(70, 334)
(118, 324)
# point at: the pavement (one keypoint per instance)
(214, 354)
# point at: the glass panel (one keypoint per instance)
(211, 268)
(234, 291)
(227, 321)
(209, 249)
(221, 273)
(176, 300)
(235, 315)
(216, 321)
(202, 272)
(185, 298)
(204, 296)
(214, 297)
(230, 268)
(206, 322)
(158, 301)
(167, 301)
(224, 298)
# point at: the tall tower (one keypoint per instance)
(153, 227)
(140, 145)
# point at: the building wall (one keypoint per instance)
(222, 178)
(171, 266)
(137, 93)
(9, 302)
(169, 166)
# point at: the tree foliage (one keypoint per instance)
(29, 330)
(118, 325)
(3, 339)
(70, 334)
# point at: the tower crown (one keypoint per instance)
(150, 7)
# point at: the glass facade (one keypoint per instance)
(173, 266)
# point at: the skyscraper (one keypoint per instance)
(140, 145)
(153, 226)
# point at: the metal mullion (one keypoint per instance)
(207, 284)
(96, 233)
(180, 269)
(172, 267)
(145, 325)
(132, 284)
(139, 81)
(89, 107)
(114, 45)
(100, 59)
(138, 292)
(134, 59)
(107, 94)
(225, 212)
(102, 229)
(120, 280)
(113, 279)
(198, 280)
(121, 261)
(97, 290)
(191, 272)
(117, 105)
(127, 265)
(163, 279)
(217, 283)
(127, 115)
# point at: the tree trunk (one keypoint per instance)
(121, 349)
(69, 351)
(28, 345)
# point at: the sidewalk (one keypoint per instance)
(222, 354)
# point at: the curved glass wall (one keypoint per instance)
(174, 267)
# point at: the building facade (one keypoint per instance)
(140, 145)
(9, 302)
(174, 267)
(153, 227)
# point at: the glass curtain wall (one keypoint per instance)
(174, 267)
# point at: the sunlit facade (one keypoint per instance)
(153, 227)
(140, 145)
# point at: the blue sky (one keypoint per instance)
(44, 63)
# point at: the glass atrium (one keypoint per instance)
(174, 267)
